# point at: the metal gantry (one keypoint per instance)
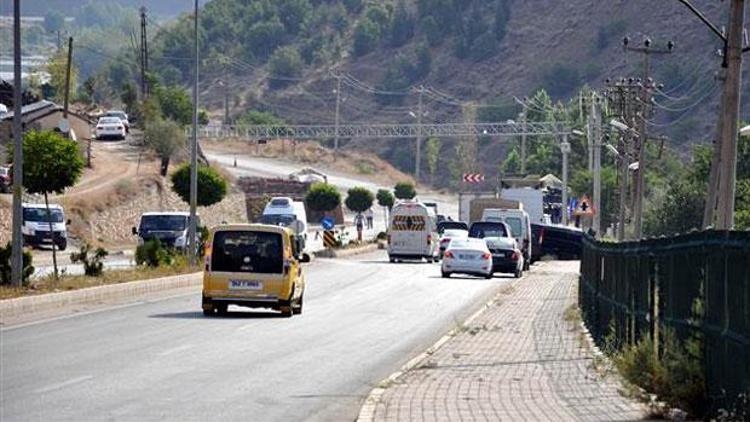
(395, 130)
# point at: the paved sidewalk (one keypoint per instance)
(518, 360)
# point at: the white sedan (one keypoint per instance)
(449, 235)
(467, 256)
(110, 127)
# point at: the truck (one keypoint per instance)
(532, 200)
(471, 205)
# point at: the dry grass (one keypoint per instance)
(313, 154)
(70, 282)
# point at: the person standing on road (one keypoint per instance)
(369, 215)
(359, 221)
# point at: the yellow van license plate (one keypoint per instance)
(245, 285)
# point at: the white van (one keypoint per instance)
(171, 228)
(284, 211)
(412, 233)
(36, 225)
(520, 227)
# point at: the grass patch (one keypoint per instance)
(66, 282)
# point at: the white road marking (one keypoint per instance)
(61, 385)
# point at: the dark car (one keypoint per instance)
(451, 225)
(482, 229)
(558, 241)
(506, 258)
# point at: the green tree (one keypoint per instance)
(502, 16)
(129, 97)
(359, 199)
(404, 190)
(257, 117)
(385, 198)
(432, 31)
(512, 163)
(402, 26)
(264, 37)
(285, 65)
(323, 197)
(53, 21)
(55, 164)
(293, 14)
(561, 79)
(432, 153)
(212, 186)
(166, 138)
(57, 68)
(366, 37)
(484, 46)
(175, 103)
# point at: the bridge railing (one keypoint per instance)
(633, 289)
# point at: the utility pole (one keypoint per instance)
(66, 97)
(596, 130)
(565, 149)
(644, 110)
(623, 182)
(722, 179)
(522, 118)
(193, 228)
(730, 116)
(144, 54)
(418, 160)
(16, 265)
(338, 108)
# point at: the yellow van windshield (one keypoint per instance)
(247, 252)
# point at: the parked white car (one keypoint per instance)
(110, 127)
(467, 256)
(450, 234)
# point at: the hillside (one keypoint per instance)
(277, 57)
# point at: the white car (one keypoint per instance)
(110, 127)
(467, 256)
(120, 115)
(450, 234)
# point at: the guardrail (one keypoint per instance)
(631, 289)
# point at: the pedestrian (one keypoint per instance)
(369, 215)
(359, 221)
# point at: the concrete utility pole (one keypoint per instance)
(596, 131)
(193, 228)
(16, 265)
(713, 178)
(144, 54)
(623, 193)
(522, 119)
(418, 160)
(565, 149)
(644, 112)
(730, 116)
(66, 97)
(338, 108)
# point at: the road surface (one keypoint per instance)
(163, 360)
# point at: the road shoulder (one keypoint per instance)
(520, 358)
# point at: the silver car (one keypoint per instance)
(449, 235)
(467, 256)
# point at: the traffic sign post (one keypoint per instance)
(329, 239)
(327, 223)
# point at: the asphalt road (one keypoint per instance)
(163, 360)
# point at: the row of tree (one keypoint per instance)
(323, 197)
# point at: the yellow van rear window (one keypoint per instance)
(247, 252)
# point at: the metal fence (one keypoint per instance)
(632, 289)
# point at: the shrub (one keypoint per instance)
(5, 269)
(323, 197)
(359, 199)
(404, 190)
(381, 236)
(212, 186)
(153, 254)
(92, 265)
(285, 65)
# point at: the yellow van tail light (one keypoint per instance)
(207, 254)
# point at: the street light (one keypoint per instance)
(619, 125)
(612, 150)
(745, 131)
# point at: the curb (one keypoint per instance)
(367, 411)
(50, 301)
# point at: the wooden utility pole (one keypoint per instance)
(418, 159)
(144, 54)
(338, 107)
(66, 97)
(730, 116)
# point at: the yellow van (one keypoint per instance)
(253, 265)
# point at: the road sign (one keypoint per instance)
(583, 207)
(329, 239)
(473, 177)
(327, 223)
